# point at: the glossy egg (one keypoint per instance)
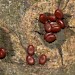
(58, 14)
(30, 60)
(47, 27)
(2, 53)
(42, 18)
(55, 28)
(61, 23)
(30, 50)
(42, 59)
(52, 18)
(49, 37)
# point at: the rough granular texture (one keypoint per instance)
(18, 23)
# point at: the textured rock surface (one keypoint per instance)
(18, 21)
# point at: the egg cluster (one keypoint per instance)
(30, 59)
(53, 23)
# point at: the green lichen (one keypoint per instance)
(36, 0)
(46, 0)
(59, 1)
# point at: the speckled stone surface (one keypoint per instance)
(18, 21)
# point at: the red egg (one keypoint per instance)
(61, 23)
(42, 18)
(2, 53)
(49, 37)
(47, 27)
(55, 28)
(30, 60)
(42, 59)
(58, 14)
(30, 50)
(52, 18)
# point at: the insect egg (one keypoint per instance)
(52, 18)
(58, 14)
(30, 50)
(2, 53)
(49, 37)
(42, 59)
(55, 28)
(42, 18)
(30, 60)
(61, 23)
(47, 27)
